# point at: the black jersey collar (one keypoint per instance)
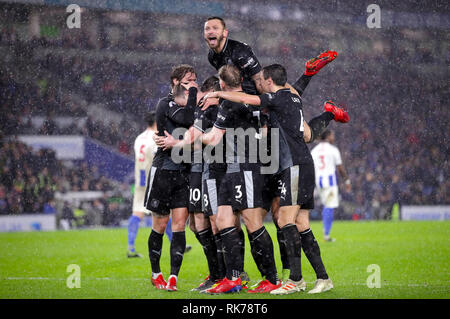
(225, 46)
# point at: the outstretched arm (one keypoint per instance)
(213, 137)
(237, 97)
(168, 141)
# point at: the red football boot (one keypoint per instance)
(226, 286)
(172, 283)
(159, 282)
(315, 64)
(265, 286)
(340, 115)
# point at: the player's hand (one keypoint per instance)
(190, 84)
(209, 102)
(315, 64)
(348, 186)
(159, 140)
(169, 141)
(214, 96)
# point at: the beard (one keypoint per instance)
(214, 44)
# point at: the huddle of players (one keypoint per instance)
(218, 193)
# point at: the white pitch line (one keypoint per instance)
(387, 284)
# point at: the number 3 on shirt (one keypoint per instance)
(322, 161)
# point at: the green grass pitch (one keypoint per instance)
(413, 257)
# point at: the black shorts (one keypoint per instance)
(297, 186)
(241, 190)
(166, 189)
(210, 191)
(195, 192)
(271, 189)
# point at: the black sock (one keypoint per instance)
(206, 239)
(231, 242)
(220, 256)
(312, 252)
(294, 250)
(155, 241)
(282, 245)
(257, 254)
(262, 246)
(177, 248)
(319, 124)
(242, 238)
(301, 84)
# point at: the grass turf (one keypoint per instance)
(413, 258)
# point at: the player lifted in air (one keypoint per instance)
(296, 169)
(226, 51)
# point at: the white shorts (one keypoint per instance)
(138, 201)
(329, 196)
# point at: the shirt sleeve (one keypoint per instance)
(246, 60)
(199, 121)
(224, 116)
(266, 100)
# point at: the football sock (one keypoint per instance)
(242, 241)
(232, 245)
(319, 124)
(155, 242)
(282, 245)
(169, 229)
(262, 246)
(177, 248)
(301, 84)
(327, 218)
(133, 227)
(256, 253)
(206, 239)
(312, 252)
(220, 256)
(293, 249)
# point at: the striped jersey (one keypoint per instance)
(326, 157)
(144, 151)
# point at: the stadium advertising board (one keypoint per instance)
(33, 222)
(439, 212)
(65, 147)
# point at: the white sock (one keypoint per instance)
(176, 277)
(155, 275)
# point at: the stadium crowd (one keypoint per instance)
(29, 180)
(395, 145)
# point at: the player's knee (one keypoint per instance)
(192, 225)
(160, 224)
(139, 214)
